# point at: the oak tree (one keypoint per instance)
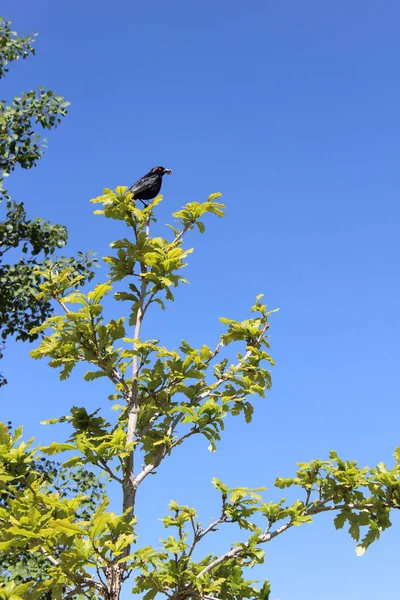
(162, 397)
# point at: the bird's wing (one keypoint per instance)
(143, 184)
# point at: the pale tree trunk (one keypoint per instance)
(114, 581)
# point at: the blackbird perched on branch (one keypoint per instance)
(149, 186)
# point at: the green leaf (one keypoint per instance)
(99, 292)
(92, 375)
(265, 591)
(340, 519)
(68, 527)
(55, 448)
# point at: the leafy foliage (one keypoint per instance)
(24, 565)
(13, 46)
(19, 142)
(21, 145)
(162, 397)
(19, 306)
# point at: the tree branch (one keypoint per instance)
(150, 300)
(180, 235)
(199, 534)
(61, 303)
(149, 425)
(224, 378)
(129, 488)
(210, 391)
(6, 249)
(267, 537)
(78, 579)
(103, 465)
(162, 454)
(114, 376)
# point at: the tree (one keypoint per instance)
(21, 145)
(23, 565)
(156, 391)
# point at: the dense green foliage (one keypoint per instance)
(22, 565)
(162, 397)
(21, 145)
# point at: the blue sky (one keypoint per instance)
(291, 110)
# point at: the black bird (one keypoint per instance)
(149, 186)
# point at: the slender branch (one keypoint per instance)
(114, 376)
(216, 351)
(267, 537)
(180, 235)
(366, 506)
(211, 389)
(100, 576)
(129, 489)
(74, 591)
(309, 492)
(174, 424)
(6, 249)
(195, 536)
(78, 579)
(61, 303)
(149, 468)
(50, 558)
(103, 465)
(220, 560)
(187, 435)
(149, 425)
(224, 378)
(212, 526)
(150, 300)
(162, 454)
(199, 534)
(120, 379)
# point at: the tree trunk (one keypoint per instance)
(114, 581)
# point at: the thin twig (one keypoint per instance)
(150, 300)
(73, 592)
(103, 465)
(198, 535)
(180, 235)
(5, 250)
(61, 303)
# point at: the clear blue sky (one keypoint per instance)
(291, 109)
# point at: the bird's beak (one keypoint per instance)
(167, 172)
